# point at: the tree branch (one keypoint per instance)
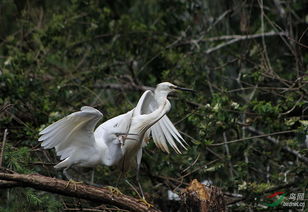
(245, 37)
(275, 141)
(261, 135)
(235, 38)
(87, 192)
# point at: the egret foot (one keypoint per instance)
(143, 200)
(74, 183)
(114, 190)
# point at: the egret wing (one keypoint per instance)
(163, 131)
(71, 133)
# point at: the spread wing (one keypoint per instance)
(163, 131)
(71, 133)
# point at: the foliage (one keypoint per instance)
(56, 56)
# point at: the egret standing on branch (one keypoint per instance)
(118, 141)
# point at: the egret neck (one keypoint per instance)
(160, 96)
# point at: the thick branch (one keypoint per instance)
(101, 195)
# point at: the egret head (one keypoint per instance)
(167, 87)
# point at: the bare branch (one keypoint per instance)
(267, 60)
(253, 137)
(245, 37)
(236, 38)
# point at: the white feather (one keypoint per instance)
(71, 135)
(163, 131)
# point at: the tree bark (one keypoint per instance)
(87, 192)
(200, 198)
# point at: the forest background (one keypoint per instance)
(246, 125)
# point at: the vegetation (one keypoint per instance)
(246, 125)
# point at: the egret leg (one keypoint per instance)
(141, 190)
(138, 181)
(92, 176)
(138, 160)
(115, 190)
(141, 199)
(85, 176)
(134, 189)
(70, 179)
(119, 178)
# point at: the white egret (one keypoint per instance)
(118, 141)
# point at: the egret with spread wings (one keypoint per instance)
(118, 141)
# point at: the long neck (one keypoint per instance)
(163, 108)
(160, 96)
(145, 121)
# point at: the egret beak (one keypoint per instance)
(184, 89)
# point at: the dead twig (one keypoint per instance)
(253, 137)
